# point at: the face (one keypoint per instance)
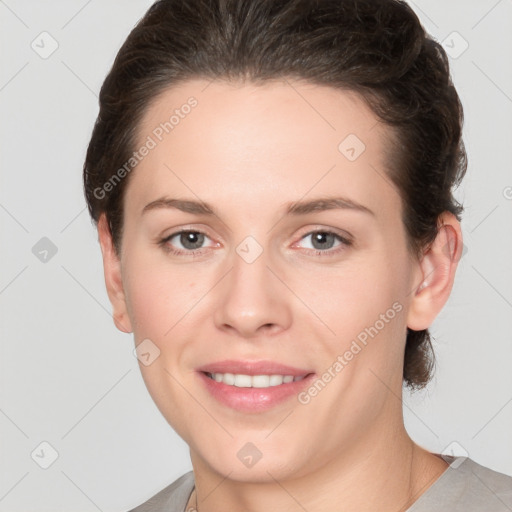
(296, 265)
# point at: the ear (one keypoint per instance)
(436, 273)
(113, 280)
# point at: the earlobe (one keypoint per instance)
(436, 274)
(113, 277)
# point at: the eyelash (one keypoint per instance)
(198, 252)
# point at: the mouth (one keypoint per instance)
(253, 387)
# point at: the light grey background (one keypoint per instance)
(70, 379)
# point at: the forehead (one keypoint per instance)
(261, 108)
(225, 141)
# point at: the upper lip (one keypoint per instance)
(252, 368)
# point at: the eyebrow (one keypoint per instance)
(328, 203)
(295, 208)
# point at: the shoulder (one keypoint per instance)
(467, 486)
(172, 498)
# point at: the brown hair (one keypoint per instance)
(376, 48)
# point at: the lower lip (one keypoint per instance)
(254, 399)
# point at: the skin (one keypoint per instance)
(249, 150)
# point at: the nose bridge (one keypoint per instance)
(250, 296)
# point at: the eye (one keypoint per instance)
(184, 241)
(323, 241)
(191, 242)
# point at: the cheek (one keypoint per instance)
(157, 297)
(364, 306)
(349, 298)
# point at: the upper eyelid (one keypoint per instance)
(338, 232)
(178, 231)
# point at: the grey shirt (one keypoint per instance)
(465, 486)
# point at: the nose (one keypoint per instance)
(252, 301)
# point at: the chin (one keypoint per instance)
(245, 462)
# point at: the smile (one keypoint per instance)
(253, 386)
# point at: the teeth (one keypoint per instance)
(276, 380)
(260, 381)
(253, 381)
(228, 378)
(243, 381)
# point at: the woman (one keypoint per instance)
(272, 185)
